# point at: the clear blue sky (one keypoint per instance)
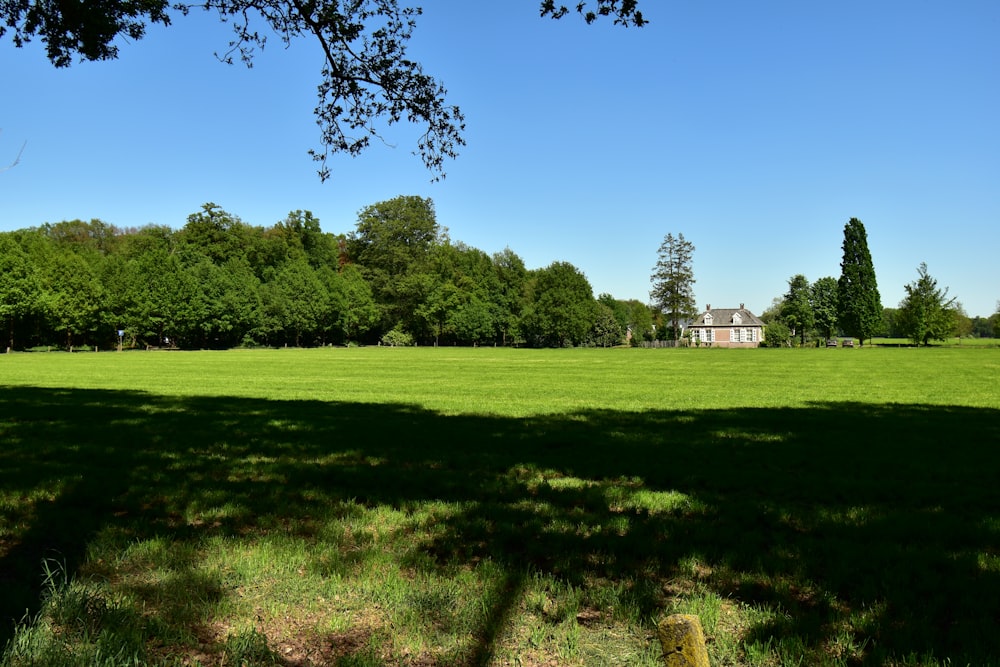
(756, 129)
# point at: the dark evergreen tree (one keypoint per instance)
(796, 308)
(859, 305)
(673, 282)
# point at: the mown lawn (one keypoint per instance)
(376, 506)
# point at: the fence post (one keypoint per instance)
(683, 641)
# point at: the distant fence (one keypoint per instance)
(662, 343)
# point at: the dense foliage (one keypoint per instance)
(219, 282)
(797, 307)
(859, 303)
(926, 313)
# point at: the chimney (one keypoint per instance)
(741, 307)
(708, 306)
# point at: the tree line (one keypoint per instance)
(851, 305)
(218, 282)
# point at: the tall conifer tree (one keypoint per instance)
(859, 303)
(673, 280)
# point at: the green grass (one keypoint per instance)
(374, 506)
(950, 342)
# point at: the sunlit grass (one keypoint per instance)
(490, 507)
(525, 382)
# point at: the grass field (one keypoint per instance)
(377, 506)
(951, 342)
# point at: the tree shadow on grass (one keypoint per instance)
(882, 519)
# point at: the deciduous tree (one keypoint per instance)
(19, 286)
(391, 245)
(926, 313)
(511, 275)
(823, 297)
(859, 306)
(360, 313)
(559, 308)
(72, 296)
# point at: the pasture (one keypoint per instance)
(420, 506)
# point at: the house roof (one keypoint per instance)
(723, 317)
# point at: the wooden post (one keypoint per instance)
(683, 641)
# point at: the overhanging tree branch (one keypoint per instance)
(366, 78)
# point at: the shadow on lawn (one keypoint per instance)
(883, 518)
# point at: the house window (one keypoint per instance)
(708, 318)
(737, 319)
(709, 335)
(751, 335)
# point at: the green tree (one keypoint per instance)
(392, 246)
(72, 295)
(302, 236)
(796, 307)
(19, 287)
(468, 290)
(772, 312)
(777, 334)
(120, 278)
(394, 235)
(217, 234)
(163, 299)
(926, 313)
(982, 327)
(474, 321)
(963, 323)
(296, 301)
(673, 282)
(511, 277)
(441, 300)
(559, 306)
(823, 297)
(84, 238)
(607, 330)
(620, 311)
(360, 314)
(859, 306)
(227, 303)
(996, 322)
(640, 321)
(890, 323)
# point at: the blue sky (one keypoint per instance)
(756, 129)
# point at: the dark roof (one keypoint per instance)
(723, 317)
